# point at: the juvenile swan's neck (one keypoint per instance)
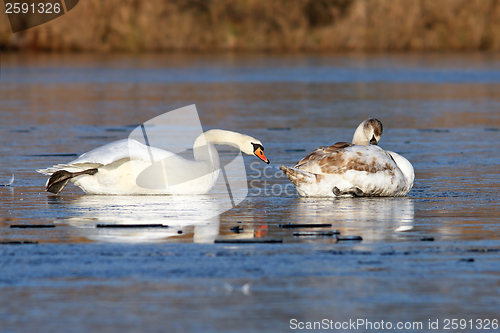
(368, 132)
(359, 137)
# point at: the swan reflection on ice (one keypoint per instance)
(177, 212)
(372, 218)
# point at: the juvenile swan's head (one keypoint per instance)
(368, 132)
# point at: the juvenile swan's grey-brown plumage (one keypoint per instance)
(360, 168)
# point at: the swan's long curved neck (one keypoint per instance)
(204, 145)
(368, 132)
(359, 137)
(219, 137)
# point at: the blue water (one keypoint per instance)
(438, 110)
(475, 68)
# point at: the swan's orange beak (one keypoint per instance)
(260, 154)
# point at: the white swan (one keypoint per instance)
(358, 169)
(128, 167)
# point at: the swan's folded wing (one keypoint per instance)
(370, 159)
(117, 150)
(109, 153)
(321, 152)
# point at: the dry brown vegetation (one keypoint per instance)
(276, 25)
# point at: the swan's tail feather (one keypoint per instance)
(59, 179)
(298, 177)
(69, 167)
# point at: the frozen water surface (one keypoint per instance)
(433, 255)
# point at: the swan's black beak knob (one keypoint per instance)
(259, 152)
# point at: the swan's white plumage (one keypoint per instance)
(108, 154)
(346, 169)
(120, 163)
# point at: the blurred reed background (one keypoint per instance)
(264, 25)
